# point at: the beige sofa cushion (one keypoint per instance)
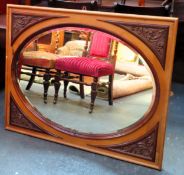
(72, 48)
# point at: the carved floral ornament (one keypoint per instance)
(155, 36)
(20, 22)
(17, 118)
(143, 148)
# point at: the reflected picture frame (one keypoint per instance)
(153, 37)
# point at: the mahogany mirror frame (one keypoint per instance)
(153, 37)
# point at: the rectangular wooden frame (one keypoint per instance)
(24, 21)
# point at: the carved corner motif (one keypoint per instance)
(144, 147)
(20, 22)
(17, 118)
(155, 36)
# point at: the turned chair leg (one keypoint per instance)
(57, 85)
(46, 78)
(32, 78)
(65, 84)
(110, 98)
(81, 87)
(93, 93)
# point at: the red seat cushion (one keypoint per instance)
(85, 66)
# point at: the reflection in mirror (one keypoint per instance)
(85, 80)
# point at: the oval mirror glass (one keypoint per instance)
(86, 81)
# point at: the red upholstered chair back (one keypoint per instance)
(3, 4)
(100, 45)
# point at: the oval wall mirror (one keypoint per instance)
(92, 80)
(133, 85)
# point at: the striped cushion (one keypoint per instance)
(100, 45)
(84, 66)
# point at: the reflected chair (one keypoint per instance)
(97, 62)
(162, 10)
(73, 5)
(40, 61)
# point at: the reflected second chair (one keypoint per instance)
(99, 61)
(40, 61)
